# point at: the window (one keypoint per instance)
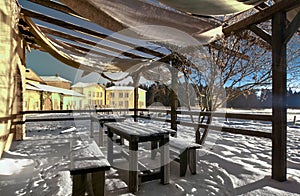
(120, 95)
(90, 94)
(126, 104)
(112, 103)
(100, 94)
(97, 94)
(126, 95)
(37, 104)
(120, 103)
(94, 94)
(112, 95)
(100, 102)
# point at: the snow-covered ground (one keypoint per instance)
(228, 164)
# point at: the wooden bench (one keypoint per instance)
(184, 152)
(87, 167)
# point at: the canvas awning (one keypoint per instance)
(158, 27)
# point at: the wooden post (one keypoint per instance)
(133, 167)
(174, 98)
(136, 79)
(92, 128)
(110, 146)
(279, 101)
(164, 160)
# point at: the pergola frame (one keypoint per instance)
(281, 34)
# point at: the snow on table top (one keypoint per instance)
(138, 129)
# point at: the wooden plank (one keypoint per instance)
(261, 117)
(292, 28)
(86, 157)
(261, 16)
(174, 94)
(261, 33)
(79, 185)
(164, 160)
(192, 159)
(279, 99)
(136, 79)
(87, 42)
(230, 130)
(229, 51)
(95, 34)
(133, 167)
(57, 6)
(110, 146)
(56, 119)
(98, 183)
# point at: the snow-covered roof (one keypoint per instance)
(30, 87)
(54, 79)
(123, 88)
(47, 88)
(83, 84)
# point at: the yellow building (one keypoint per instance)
(94, 94)
(40, 96)
(123, 97)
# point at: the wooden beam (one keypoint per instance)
(87, 42)
(292, 28)
(57, 6)
(279, 99)
(261, 33)
(95, 34)
(229, 51)
(261, 16)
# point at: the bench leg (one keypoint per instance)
(98, 183)
(192, 161)
(79, 185)
(183, 162)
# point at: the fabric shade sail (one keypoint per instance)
(128, 16)
(212, 7)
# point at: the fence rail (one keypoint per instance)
(258, 117)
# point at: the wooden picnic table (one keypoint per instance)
(136, 133)
(102, 119)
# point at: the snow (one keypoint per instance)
(228, 164)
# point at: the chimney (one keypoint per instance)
(56, 74)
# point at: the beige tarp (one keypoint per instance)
(212, 7)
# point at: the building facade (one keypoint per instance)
(40, 96)
(123, 97)
(94, 94)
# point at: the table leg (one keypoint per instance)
(153, 149)
(101, 134)
(133, 167)
(92, 129)
(165, 165)
(110, 147)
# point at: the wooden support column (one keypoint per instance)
(136, 79)
(279, 101)
(174, 98)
